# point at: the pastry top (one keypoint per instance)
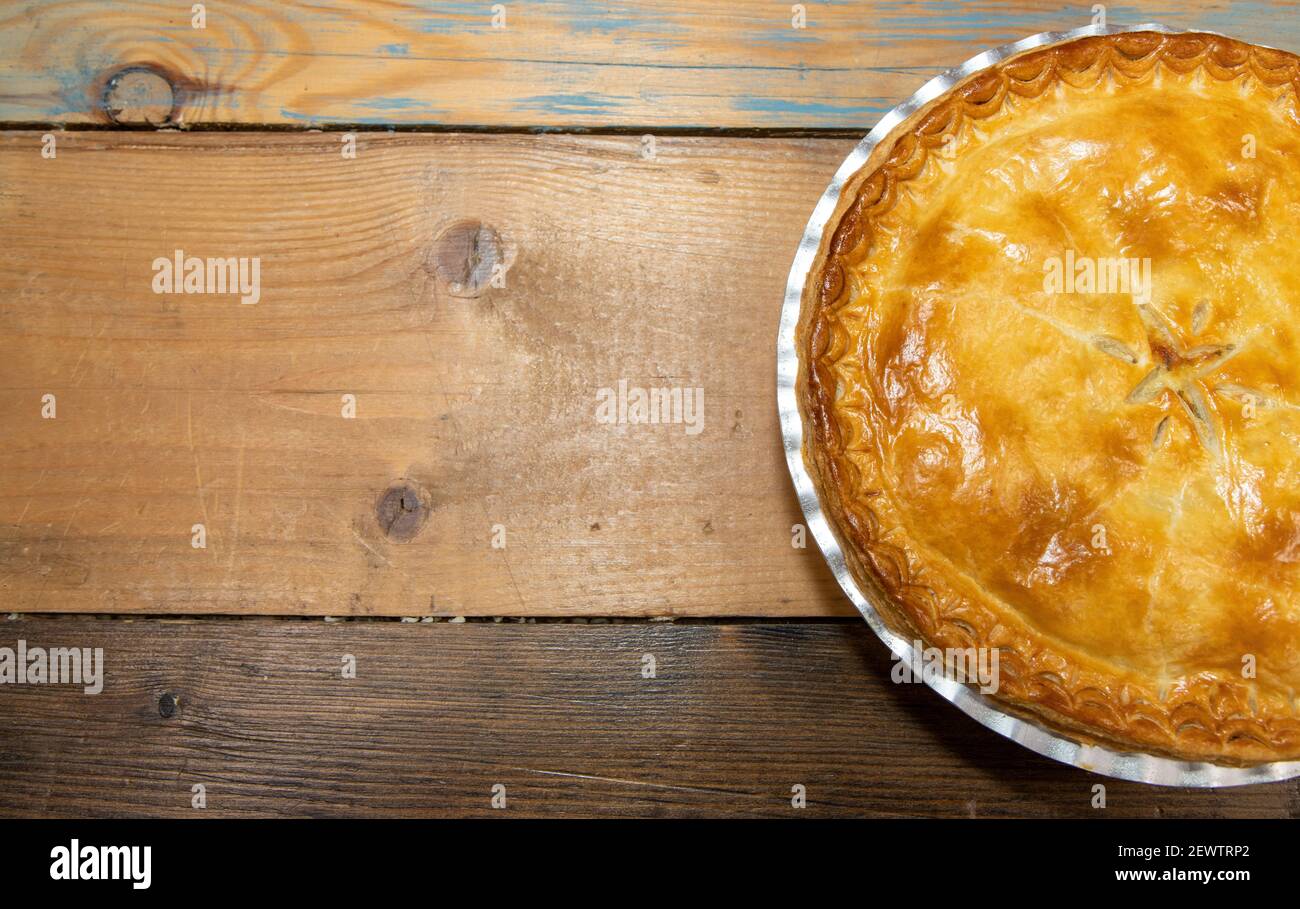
(1050, 358)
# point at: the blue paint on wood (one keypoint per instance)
(440, 26)
(75, 93)
(956, 21)
(789, 36)
(1235, 16)
(317, 120)
(396, 104)
(606, 18)
(570, 103)
(600, 49)
(457, 17)
(839, 113)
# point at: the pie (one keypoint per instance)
(1050, 378)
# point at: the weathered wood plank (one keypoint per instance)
(172, 410)
(560, 63)
(558, 714)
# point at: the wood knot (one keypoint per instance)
(167, 705)
(139, 96)
(467, 257)
(402, 510)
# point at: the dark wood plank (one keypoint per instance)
(557, 713)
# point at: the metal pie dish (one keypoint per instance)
(1127, 765)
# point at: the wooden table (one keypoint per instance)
(473, 225)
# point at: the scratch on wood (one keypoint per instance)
(362, 540)
(198, 476)
(239, 497)
(700, 790)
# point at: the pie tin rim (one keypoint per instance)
(1135, 766)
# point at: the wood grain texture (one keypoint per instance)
(557, 63)
(558, 714)
(174, 410)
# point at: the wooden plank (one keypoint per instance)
(558, 714)
(482, 402)
(560, 63)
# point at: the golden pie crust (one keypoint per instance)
(1103, 486)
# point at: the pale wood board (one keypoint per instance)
(174, 410)
(563, 716)
(556, 63)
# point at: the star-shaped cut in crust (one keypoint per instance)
(1184, 373)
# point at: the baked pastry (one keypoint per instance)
(1050, 378)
